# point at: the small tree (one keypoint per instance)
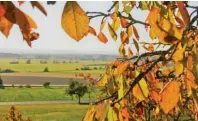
(1, 83)
(78, 89)
(46, 85)
(46, 69)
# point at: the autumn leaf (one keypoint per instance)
(124, 22)
(150, 47)
(144, 5)
(102, 25)
(170, 96)
(136, 33)
(113, 16)
(130, 53)
(90, 114)
(121, 86)
(179, 53)
(92, 31)
(101, 112)
(183, 11)
(129, 31)
(153, 16)
(140, 90)
(136, 45)
(112, 32)
(133, 3)
(39, 6)
(116, 24)
(181, 23)
(21, 2)
(122, 50)
(178, 67)
(2, 11)
(121, 68)
(127, 9)
(5, 26)
(112, 115)
(124, 37)
(102, 38)
(190, 62)
(102, 81)
(155, 95)
(190, 82)
(74, 21)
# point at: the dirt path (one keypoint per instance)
(41, 102)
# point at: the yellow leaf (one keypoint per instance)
(112, 32)
(170, 96)
(122, 50)
(5, 26)
(127, 9)
(102, 38)
(190, 82)
(116, 24)
(140, 90)
(74, 21)
(124, 37)
(121, 86)
(129, 31)
(178, 55)
(102, 24)
(112, 115)
(178, 67)
(153, 16)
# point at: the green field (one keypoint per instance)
(52, 112)
(40, 94)
(61, 68)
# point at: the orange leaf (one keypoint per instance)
(190, 82)
(21, 2)
(153, 16)
(181, 23)
(129, 31)
(150, 47)
(155, 95)
(113, 15)
(170, 96)
(102, 38)
(2, 11)
(124, 37)
(183, 11)
(150, 76)
(5, 26)
(190, 62)
(133, 3)
(130, 53)
(92, 31)
(136, 33)
(124, 22)
(122, 67)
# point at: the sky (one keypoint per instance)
(53, 38)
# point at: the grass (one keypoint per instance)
(17, 94)
(52, 112)
(67, 68)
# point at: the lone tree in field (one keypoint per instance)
(159, 83)
(78, 89)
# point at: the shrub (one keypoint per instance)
(7, 71)
(95, 68)
(28, 86)
(46, 69)
(12, 85)
(28, 61)
(21, 86)
(46, 84)
(77, 69)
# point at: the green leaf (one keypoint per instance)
(127, 9)
(143, 5)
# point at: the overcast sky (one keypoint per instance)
(52, 36)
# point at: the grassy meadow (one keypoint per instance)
(52, 112)
(60, 68)
(17, 94)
